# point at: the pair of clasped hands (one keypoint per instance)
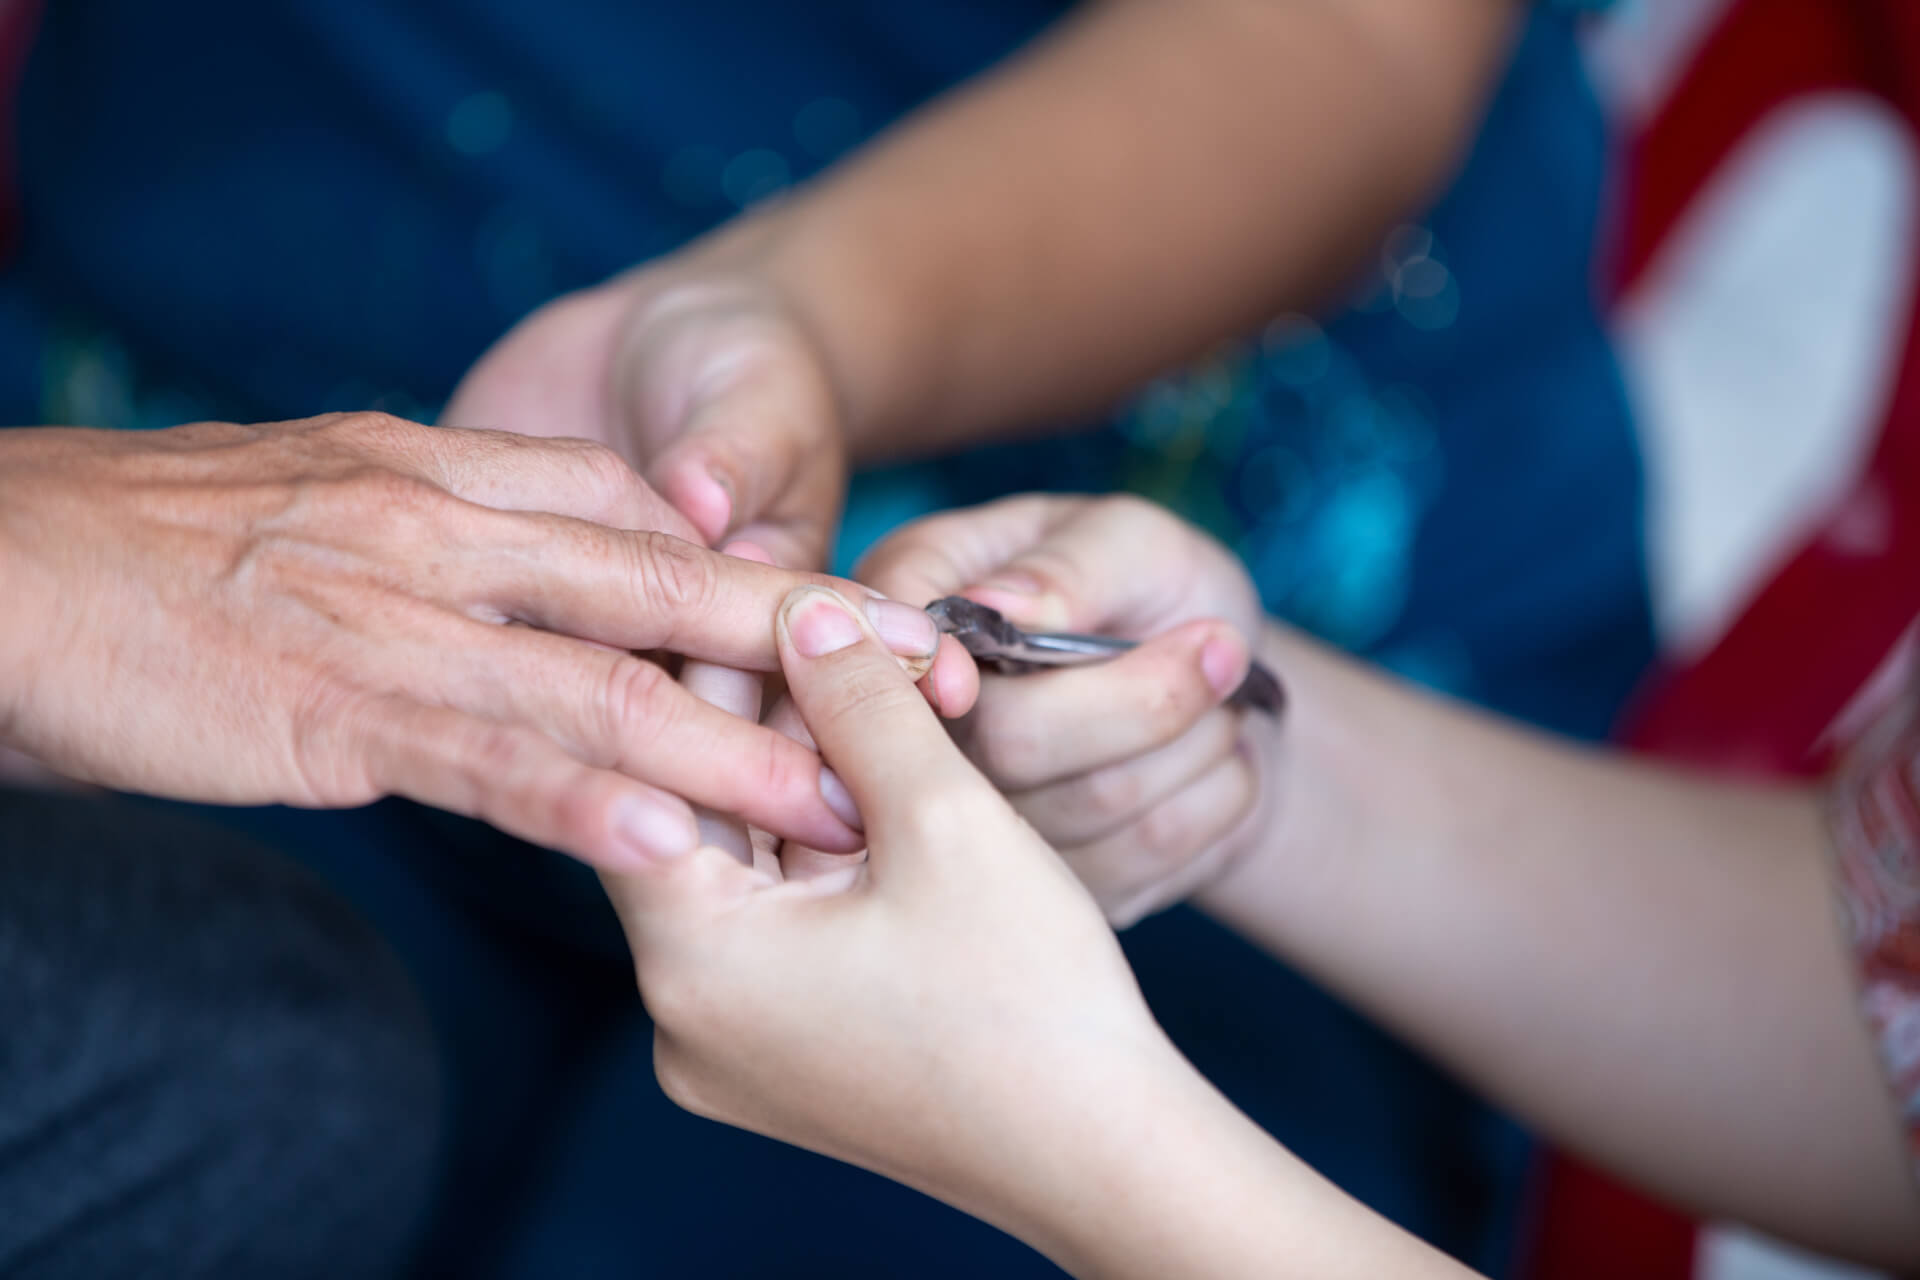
(323, 612)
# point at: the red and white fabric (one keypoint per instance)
(1764, 295)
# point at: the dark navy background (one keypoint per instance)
(271, 208)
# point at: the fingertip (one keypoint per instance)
(952, 684)
(700, 494)
(1224, 660)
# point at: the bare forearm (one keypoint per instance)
(1644, 965)
(1146, 181)
(1141, 1169)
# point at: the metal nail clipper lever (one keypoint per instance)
(998, 644)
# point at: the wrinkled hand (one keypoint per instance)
(1134, 769)
(911, 1010)
(698, 371)
(324, 612)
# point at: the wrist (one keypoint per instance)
(803, 263)
(1082, 1148)
(1145, 1169)
(853, 295)
(1333, 789)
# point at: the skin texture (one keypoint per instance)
(952, 1011)
(964, 277)
(324, 612)
(1135, 770)
(1643, 964)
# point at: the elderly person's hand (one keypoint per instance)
(324, 612)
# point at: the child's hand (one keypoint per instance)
(915, 1012)
(1133, 768)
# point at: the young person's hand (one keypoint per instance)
(910, 1011)
(953, 1012)
(324, 612)
(1135, 769)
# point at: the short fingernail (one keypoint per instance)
(655, 828)
(820, 623)
(904, 629)
(840, 800)
(1223, 663)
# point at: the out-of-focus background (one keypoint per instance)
(1762, 279)
(1711, 503)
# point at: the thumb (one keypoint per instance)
(870, 722)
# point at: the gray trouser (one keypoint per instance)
(209, 1066)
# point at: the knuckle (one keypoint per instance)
(1114, 789)
(334, 739)
(1011, 757)
(370, 429)
(636, 705)
(1166, 836)
(672, 574)
(1011, 750)
(490, 753)
(780, 767)
(608, 480)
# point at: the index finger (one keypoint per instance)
(1115, 566)
(650, 591)
(512, 472)
(943, 554)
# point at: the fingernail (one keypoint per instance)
(1223, 663)
(820, 623)
(906, 630)
(654, 828)
(840, 800)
